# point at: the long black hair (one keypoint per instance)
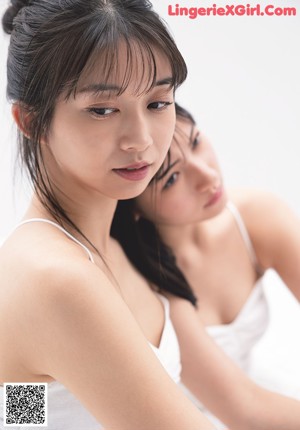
(54, 43)
(143, 245)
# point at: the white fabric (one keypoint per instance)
(168, 351)
(65, 412)
(239, 337)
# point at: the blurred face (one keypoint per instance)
(108, 143)
(190, 187)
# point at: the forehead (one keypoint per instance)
(184, 132)
(131, 67)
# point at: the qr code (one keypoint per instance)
(25, 404)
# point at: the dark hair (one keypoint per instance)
(183, 114)
(144, 247)
(56, 42)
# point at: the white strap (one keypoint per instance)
(244, 233)
(47, 221)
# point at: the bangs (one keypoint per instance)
(122, 63)
(125, 55)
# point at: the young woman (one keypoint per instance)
(186, 236)
(92, 85)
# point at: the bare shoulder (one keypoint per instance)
(262, 209)
(252, 201)
(42, 272)
(41, 256)
(269, 220)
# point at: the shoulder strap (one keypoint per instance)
(244, 233)
(47, 221)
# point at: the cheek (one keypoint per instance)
(213, 160)
(75, 144)
(174, 209)
(69, 153)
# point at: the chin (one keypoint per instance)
(216, 209)
(131, 192)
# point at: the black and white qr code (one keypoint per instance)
(25, 404)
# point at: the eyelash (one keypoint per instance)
(171, 181)
(165, 105)
(174, 177)
(95, 110)
(196, 142)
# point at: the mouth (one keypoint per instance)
(134, 172)
(216, 196)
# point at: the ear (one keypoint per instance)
(22, 118)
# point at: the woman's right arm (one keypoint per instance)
(85, 337)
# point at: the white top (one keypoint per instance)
(65, 412)
(239, 337)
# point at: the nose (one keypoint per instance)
(136, 134)
(204, 176)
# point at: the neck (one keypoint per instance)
(178, 237)
(198, 233)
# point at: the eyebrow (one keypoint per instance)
(165, 172)
(99, 88)
(192, 132)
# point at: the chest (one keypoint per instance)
(222, 276)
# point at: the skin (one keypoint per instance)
(87, 325)
(188, 208)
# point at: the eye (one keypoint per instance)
(171, 181)
(100, 112)
(196, 141)
(159, 105)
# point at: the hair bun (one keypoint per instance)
(10, 14)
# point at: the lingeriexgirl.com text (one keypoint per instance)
(231, 10)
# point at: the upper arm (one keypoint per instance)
(86, 338)
(275, 231)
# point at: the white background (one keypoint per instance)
(243, 88)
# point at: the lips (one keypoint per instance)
(215, 197)
(133, 172)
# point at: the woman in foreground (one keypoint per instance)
(92, 85)
(185, 235)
